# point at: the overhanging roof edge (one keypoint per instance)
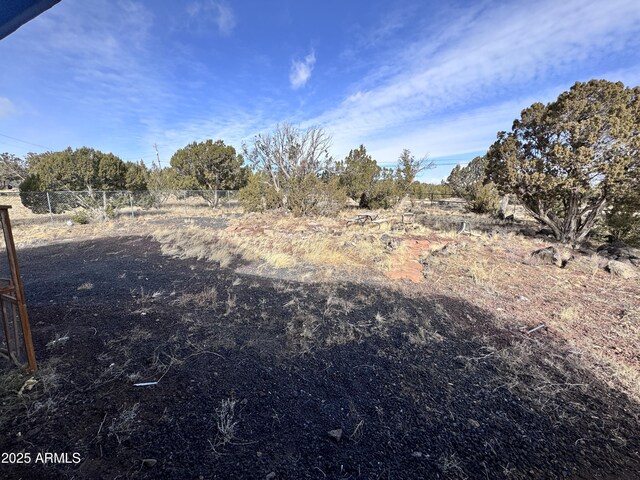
(10, 20)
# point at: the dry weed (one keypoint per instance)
(207, 298)
(226, 423)
(124, 424)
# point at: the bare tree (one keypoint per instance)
(13, 169)
(289, 155)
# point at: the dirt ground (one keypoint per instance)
(431, 380)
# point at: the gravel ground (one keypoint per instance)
(253, 373)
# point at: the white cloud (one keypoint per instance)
(218, 12)
(489, 54)
(301, 70)
(7, 108)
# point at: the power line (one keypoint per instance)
(49, 148)
(151, 156)
(447, 164)
(24, 141)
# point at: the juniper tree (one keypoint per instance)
(566, 160)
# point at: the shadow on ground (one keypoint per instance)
(254, 372)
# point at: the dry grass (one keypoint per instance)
(85, 286)
(493, 272)
(592, 311)
(124, 424)
(58, 341)
(589, 309)
(207, 298)
(282, 242)
(481, 273)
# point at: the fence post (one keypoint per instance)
(49, 203)
(104, 200)
(131, 203)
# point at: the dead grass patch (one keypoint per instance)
(283, 242)
(207, 298)
(85, 286)
(481, 273)
(584, 306)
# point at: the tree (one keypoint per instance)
(421, 191)
(12, 169)
(161, 181)
(76, 170)
(622, 218)
(288, 157)
(358, 174)
(258, 195)
(73, 171)
(463, 180)
(408, 169)
(136, 177)
(209, 167)
(386, 192)
(471, 183)
(565, 161)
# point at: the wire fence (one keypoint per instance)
(59, 207)
(80, 207)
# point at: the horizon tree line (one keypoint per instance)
(570, 163)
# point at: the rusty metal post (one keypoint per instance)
(18, 290)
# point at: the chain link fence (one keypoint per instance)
(58, 207)
(63, 206)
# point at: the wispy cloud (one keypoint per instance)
(126, 74)
(237, 126)
(7, 108)
(489, 52)
(219, 12)
(301, 71)
(106, 70)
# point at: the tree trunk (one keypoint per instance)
(538, 212)
(591, 220)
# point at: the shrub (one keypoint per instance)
(622, 222)
(484, 199)
(258, 196)
(81, 217)
(385, 194)
(316, 196)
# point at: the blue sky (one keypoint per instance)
(438, 78)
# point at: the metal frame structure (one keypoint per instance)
(13, 309)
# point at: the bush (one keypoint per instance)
(258, 196)
(384, 194)
(315, 196)
(622, 222)
(484, 199)
(80, 217)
